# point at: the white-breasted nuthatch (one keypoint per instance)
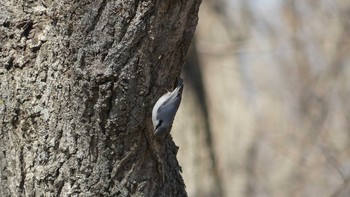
(164, 110)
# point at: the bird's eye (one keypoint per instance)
(159, 123)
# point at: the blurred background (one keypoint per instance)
(266, 108)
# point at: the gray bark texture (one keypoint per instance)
(78, 80)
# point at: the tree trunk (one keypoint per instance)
(78, 83)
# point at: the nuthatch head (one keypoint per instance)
(164, 110)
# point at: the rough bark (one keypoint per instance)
(78, 80)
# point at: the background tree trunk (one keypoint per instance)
(266, 110)
(78, 80)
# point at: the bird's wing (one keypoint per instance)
(169, 108)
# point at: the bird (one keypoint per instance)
(165, 109)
